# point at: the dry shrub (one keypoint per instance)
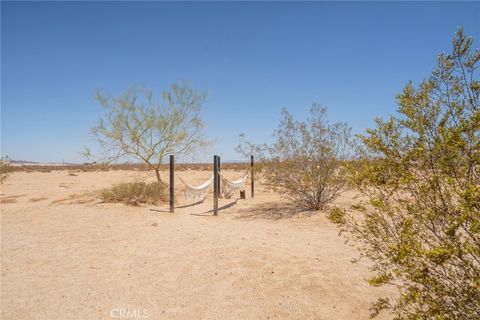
(135, 193)
(305, 161)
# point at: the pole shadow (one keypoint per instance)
(160, 210)
(204, 214)
(191, 204)
(180, 207)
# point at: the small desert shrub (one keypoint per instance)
(4, 169)
(135, 193)
(337, 215)
(306, 159)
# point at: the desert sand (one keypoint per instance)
(66, 255)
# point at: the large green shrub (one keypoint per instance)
(421, 225)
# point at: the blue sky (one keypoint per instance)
(253, 58)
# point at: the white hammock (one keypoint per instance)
(229, 187)
(195, 193)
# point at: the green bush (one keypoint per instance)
(337, 215)
(4, 169)
(421, 178)
(135, 193)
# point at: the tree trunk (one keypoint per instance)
(157, 173)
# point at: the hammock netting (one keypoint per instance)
(197, 193)
(229, 187)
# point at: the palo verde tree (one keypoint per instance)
(421, 225)
(306, 159)
(135, 125)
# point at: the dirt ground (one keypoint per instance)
(66, 255)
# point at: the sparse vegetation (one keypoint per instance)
(337, 215)
(4, 169)
(421, 225)
(135, 126)
(305, 161)
(135, 193)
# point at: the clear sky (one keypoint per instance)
(253, 58)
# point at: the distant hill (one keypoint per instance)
(33, 163)
(22, 163)
(236, 161)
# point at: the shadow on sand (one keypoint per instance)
(160, 210)
(191, 204)
(180, 207)
(271, 211)
(207, 213)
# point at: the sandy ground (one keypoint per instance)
(65, 255)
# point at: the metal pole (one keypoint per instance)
(219, 168)
(252, 179)
(215, 185)
(172, 183)
(215, 169)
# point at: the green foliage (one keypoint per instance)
(378, 306)
(136, 126)
(135, 193)
(337, 215)
(421, 175)
(305, 160)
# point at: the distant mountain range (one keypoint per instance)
(33, 163)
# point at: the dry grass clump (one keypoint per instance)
(135, 193)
